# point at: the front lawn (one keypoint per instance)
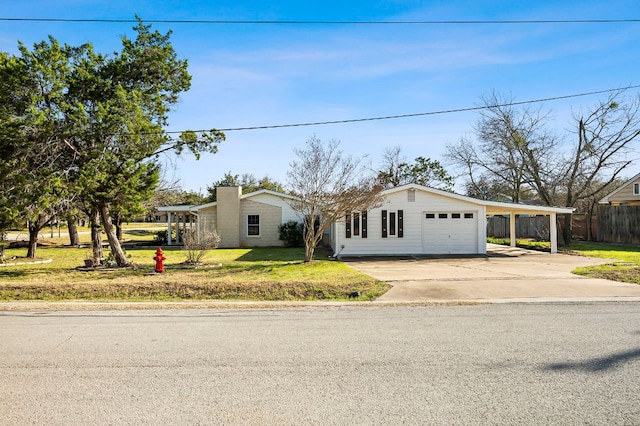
(259, 274)
(625, 267)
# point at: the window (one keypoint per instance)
(253, 225)
(468, 215)
(455, 215)
(355, 224)
(430, 216)
(636, 188)
(392, 223)
(443, 215)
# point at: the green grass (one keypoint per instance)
(529, 244)
(263, 274)
(625, 267)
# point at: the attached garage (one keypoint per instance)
(415, 220)
(449, 232)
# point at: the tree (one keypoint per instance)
(32, 93)
(327, 185)
(396, 171)
(247, 181)
(98, 122)
(515, 147)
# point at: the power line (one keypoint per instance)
(276, 22)
(419, 114)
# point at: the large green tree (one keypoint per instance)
(32, 128)
(395, 170)
(99, 122)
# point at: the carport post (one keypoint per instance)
(553, 233)
(512, 228)
(169, 219)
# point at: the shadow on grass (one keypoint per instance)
(8, 273)
(140, 232)
(277, 254)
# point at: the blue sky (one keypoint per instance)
(255, 75)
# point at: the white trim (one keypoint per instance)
(253, 224)
(605, 199)
(493, 207)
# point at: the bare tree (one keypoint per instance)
(601, 153)
(514, 146)
(513, 149)
(327, 185)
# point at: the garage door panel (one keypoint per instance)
(449, 232)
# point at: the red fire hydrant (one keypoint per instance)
(159, 258)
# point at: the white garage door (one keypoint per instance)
(450, 232)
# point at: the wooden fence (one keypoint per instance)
(526, 227)
(619, 224)
(538, 226)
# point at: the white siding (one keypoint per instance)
(413, 217)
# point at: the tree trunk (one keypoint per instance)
(566, 229)
(33, 242)
(34, 228)
(117, 222)
(118, 227)
(308, 252)
(114, 244)
(74, 237)
(96, 237)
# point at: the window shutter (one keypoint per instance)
(400, 233)
(347, 225)
(384, 224)
(364, 224)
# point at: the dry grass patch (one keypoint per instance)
(262, 274)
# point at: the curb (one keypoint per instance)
(150, 306)
(35, 262)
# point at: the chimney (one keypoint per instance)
(228, 200)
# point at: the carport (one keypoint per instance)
(513, 210)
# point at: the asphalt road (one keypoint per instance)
(564, 364)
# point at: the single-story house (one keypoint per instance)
(241, 220)
(413, 219)
(626, 195)
(416, 219)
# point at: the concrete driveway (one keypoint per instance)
(505, 274)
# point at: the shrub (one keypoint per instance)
(197, 247)
(291, 234)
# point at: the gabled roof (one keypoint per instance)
(605, 199)
(493, 207)
(195, 207)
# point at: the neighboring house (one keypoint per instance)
(418, 220)
(626, 195)
(241, 220)
(413, 220)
